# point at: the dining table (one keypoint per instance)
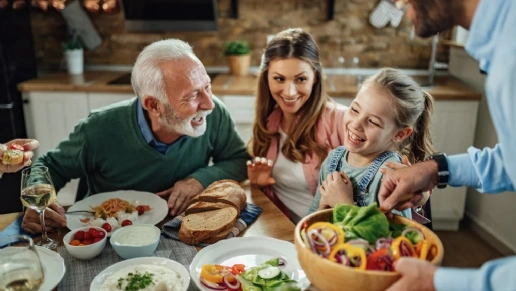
(270, 223)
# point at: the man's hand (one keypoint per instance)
(416, 275)
(411, 180)
(260, 172)
(337, 188)
(29, 145)
(180, 195)
(54, 218)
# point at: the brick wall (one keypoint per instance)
(348, 35)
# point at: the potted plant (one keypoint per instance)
(239, 59)
(73, 52)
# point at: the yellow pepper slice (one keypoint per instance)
(323, 225)
(422, 248)
(396, 245)
(351, 252)
(214, 273)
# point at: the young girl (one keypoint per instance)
(390, 115)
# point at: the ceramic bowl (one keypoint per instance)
(133, 241)
(330, 276)
(86, 252)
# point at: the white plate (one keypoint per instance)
(157, 214)
(250, 251)
(164, 262)
(53, 268)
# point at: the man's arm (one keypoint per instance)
(229, 151)
(494, 275)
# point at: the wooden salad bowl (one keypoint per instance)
(330, 276)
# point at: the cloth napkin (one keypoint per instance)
(247, 216)
(79, 274)
(14, 229)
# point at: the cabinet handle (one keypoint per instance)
(25, 101)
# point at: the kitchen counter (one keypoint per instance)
(445, 88)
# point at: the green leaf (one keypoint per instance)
(236, 48)
(367, 222)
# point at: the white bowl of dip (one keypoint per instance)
(133, 241)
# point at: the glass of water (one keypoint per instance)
(20, 266)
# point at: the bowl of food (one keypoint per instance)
(358, 246)
(135, 241)
(85, 243)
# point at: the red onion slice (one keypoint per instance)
(212, 285)
(383, 243)
(281, 261)
(361, 243)
(231, 286)
(413, 229)
(321, 239)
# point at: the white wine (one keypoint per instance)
(38, 196)
(21, 278)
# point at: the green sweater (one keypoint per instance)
(108, 149)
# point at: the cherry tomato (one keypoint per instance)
(79, 235)
(140, 209)
(17, 147)
(75, 242)
(87, 236)
(107, 227)
(237, 269)
(97, 239)
(92, 232)
(87, 242)
(126, 222)
(99, 234)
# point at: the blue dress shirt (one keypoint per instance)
(161, 147)
(492, 41)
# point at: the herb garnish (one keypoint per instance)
(136, 281)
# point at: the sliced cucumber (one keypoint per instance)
(269, 272)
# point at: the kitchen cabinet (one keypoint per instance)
(50, 117)
(98, 100)
(242, 110)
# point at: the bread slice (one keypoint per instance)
(202, 206)
(219, 182)
(219, 236)
(198, 227)
(12, 157)
(224, 192)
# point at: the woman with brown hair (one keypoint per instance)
(296, 123)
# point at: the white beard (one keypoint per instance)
(171, 121)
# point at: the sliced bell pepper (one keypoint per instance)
(400, 242)
(215, 273)
(16, 147)
(422, 248)
(331, 226)
(432, 253)
(351, 252)
(380, 260)
(237, 269)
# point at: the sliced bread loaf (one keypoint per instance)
(225, 192)
(198, 227)
(219, 236)
(203, 206)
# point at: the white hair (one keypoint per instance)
(147, 78)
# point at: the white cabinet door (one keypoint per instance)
(242, 110)
(99, 100)
(50, 117)
(453, 131)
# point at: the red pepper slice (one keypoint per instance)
(17, 147)
(380, 260)
(237, 269)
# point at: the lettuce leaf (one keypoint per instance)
(253, 282)
(366, 222)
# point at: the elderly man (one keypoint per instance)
(160, 142)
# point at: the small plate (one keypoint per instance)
(164, 262)
(250, 251)
(53, 268)
(156, 215)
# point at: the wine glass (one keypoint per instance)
(20, 266)
(37, 192)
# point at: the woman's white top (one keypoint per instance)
(291, 187)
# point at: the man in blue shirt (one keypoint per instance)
(492, 41)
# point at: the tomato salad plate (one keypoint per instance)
(254, 262)
(112, 210)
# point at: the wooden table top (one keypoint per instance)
(271, 222)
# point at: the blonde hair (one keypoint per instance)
(413, 108)
(302, 138)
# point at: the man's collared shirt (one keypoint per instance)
(160, 147)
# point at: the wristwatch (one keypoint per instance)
(442, 169)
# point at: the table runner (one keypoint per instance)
(79, 273)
